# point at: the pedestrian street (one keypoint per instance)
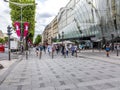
(59, 73)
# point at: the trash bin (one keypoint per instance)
(2, 48)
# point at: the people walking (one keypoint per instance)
(66, 49)
(57, 48)
(63, 49)
(40, 52)
(37, 50)
(49, 49)
(72, 50)
(44, 48)
(107, 50)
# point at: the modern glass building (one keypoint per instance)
(93, 20)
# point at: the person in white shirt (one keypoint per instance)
(49, 48)
(66, 49)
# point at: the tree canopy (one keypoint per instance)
(28, 14)
(38, 39)
(2, 40)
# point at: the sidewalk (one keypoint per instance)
(100, 55)
(6, 64)
(61, 73)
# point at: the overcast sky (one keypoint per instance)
(46, 10)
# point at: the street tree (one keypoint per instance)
(6, 39)
(2, 40)
(28, 14)
(38, 39)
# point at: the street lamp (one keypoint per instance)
(112, 35)
(63, 44)
(116, 29)
(52, 46)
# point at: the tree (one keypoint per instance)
(6, 39)
(38, 39)
(2, 40)
(28, 14)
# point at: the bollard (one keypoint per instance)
(64, 55)
(52, 54)
(117, 52)
(26, 55)
(76, 53)
(40, 54)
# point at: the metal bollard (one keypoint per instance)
(40, 54)
(117, 52)
(76, 53)
(26, 55)
(52, 54)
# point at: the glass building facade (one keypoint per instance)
(96, 20)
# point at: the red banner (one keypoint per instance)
(17, 27)
(26, 25)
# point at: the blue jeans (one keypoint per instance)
(72, 52)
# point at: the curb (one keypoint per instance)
(6, 73)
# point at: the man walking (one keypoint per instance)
(107, 50)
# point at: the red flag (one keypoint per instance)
(26, 24)
(17, 27)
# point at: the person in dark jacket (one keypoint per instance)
(63, 49)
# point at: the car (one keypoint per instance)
(2, 48)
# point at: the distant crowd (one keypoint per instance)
(64, 49)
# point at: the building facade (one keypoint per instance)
(89, 20)
(1, 34)
(51, 31)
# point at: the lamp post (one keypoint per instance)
(52, 46)
(112, 35)
(116, 30)
(64, 51)
(114, 16)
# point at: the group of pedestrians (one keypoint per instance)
(66, 49)
(61, 49)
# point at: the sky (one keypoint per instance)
(46, 10)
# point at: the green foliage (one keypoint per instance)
(2, 40)
(54, 39)
(38, 39)
(28, 14)
(6, 39)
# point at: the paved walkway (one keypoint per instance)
(61, 73)
(100, 55)
(6, 64)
